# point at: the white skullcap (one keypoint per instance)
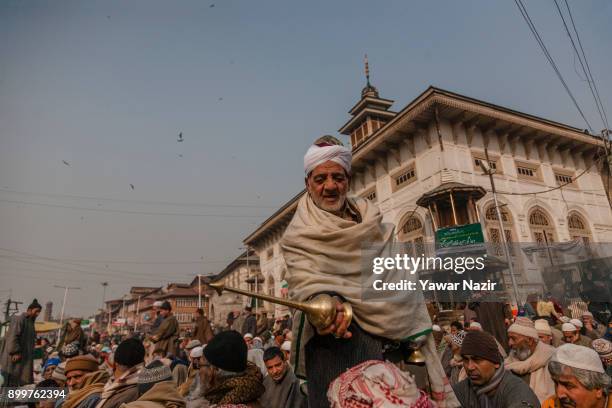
(317, 155)
(568, 327)
(542, 327)
(196, 352)
(587, 313)
(576, 356)
(193, 343)
(576, 323)
(525, 327)
(436, 328)
(249, 335)
(157, 303)
(475, 325)
(286, 346)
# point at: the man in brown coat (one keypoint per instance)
(16, 356)
(167, 333)
(123, 386)
(202, 331)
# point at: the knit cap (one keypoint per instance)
(70, 350)
(457, 338)
(524, 326)
(227, 351)
(603, 347)
(481, 344)
(542, 327)
(152, 374)
(59, 373)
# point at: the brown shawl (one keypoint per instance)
(120, 389)
(161, 395)
(239, 389)
(93, 383)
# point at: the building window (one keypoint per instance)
(370, 195)
(565, 179)
(492, 228)
(404, 177)
(494, 162)
(413, 233)
(542, 231)
(528, 171)
(578, 228)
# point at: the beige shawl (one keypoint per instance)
(536, 365)
(326, 253)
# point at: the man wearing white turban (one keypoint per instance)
(322, 248)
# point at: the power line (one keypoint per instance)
(590, 82)
(550, 59)
(104, 210)
(169, 203)
(569, 11)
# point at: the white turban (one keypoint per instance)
(568, 327)
(576, 356)
(525, 327)
(317, 155)
(577, 323)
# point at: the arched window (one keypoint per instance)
(542, 231)
(412, 232)
(578, 228)
(493, 229)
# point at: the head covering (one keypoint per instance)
(70, 350)
(436, 328)
(227, 351)
(523, 326)
(286, 346)
(106, 349)
(325, 149)
(587, 313)
(51, 362)
(35, 305)
(248, 335)
(568, 327)
(86, 362)
(192, 344)
(59, 373)
(481, 344)
(258, 343)
(129, 353)
(376, 384)
(457, 338)
(603, 347)
(475, 325)
(157, 303)
(152, 374)
(542, 327)
(577, 323)
(564, 319)
(196, 352)
(576, 356)
(166, 305)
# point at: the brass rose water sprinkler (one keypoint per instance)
(320, 311)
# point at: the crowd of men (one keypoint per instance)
(489, 358)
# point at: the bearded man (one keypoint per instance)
(529, 357)
(322, 247)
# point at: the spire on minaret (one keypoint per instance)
(369, 114)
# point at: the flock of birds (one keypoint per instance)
(180, 139)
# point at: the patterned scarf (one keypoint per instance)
(239, 388)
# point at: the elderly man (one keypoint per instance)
(85, 382)
(529, 357)
(129, 362)
(322, 250)
(488, 384)
(590, 326)
(571, 334)
(548, 335)
(580, 379)
(282, 386)
(17, 355)
(158, 317)
(166, 335)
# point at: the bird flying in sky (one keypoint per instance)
(132, 186)
(180, 138)
(66, 163)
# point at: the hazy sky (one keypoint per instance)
(108, 85)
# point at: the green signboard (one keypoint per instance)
(469, 234)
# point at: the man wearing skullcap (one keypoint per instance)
(156, 389)
(580, 379)
(17, 353)
(129, 362)
(603, 347)
(322, 248)
(192, 379)
(166, 335)
(529, 357)
(591, 328)
(548, 335)
(456, 372)
(571, 334)
(158, 317)
(488, 384)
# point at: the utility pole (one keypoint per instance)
(489, 171)
(66, 289)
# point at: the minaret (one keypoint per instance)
(369, 114)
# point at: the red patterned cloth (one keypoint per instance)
(376, 384)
